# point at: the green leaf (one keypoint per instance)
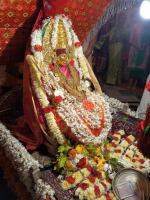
(62, 161)
(106, 142)
(91, 148)
(85, 153)
(146, 130)
(61, 149)
(113, 161)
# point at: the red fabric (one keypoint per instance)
(16, 21)
(17, 18)
(83, 13)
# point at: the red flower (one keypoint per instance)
(38, 47)
(82, 163)
(51, 66)
(91, 179)
(128, 141)
(115, 138)
(108, 197)
(71, 62)
(88, 105)
(70, 179)
(142, 161)
(72, 153)
(94, 172)
(113, 144)
(58, 99)
(118, 151)
(147, 86)
(104, 185)
(99, 176)
(97, 190)
(89, 168)
(48, 109)
(133, 160)
(84, 186)
(77, 44)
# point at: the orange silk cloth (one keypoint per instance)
(17, 18)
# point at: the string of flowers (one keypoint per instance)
(51, 122)
(23, 163)
(69, 107)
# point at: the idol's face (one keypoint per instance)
(62, 59)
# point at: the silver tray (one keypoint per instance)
(130, 184)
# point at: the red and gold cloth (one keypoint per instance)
(18, 16)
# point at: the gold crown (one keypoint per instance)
(62, 40)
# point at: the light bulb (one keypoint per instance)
(145, 9)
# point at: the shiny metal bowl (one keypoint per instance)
(130, 184)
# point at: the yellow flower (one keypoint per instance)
(69, 165)
(80, 148)
(98, 151)
(100, 163)
(65, 185)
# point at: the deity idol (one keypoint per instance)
(66, 96)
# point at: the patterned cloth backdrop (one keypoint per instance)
(16, 21)
(18, 16)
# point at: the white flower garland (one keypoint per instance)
(54, 33)
(52, 125)
(36, 39)
(116, 105)
(23, 162)
(49, 82)
(70, 115)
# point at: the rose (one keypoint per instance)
(77, 44)
(70, 179)
(97, 190)
(51, 66)
(48, 109)
(82, 163)
(84, 186)
(58, 99)
(38, 47)
(147, 86)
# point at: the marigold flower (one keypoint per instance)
(80, 148)
(69, 165)
(72, 153)
(88, 105)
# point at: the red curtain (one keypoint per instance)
(18, 16)
(83, 13)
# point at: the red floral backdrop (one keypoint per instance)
(18, 16)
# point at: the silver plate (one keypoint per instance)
(130, 184)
